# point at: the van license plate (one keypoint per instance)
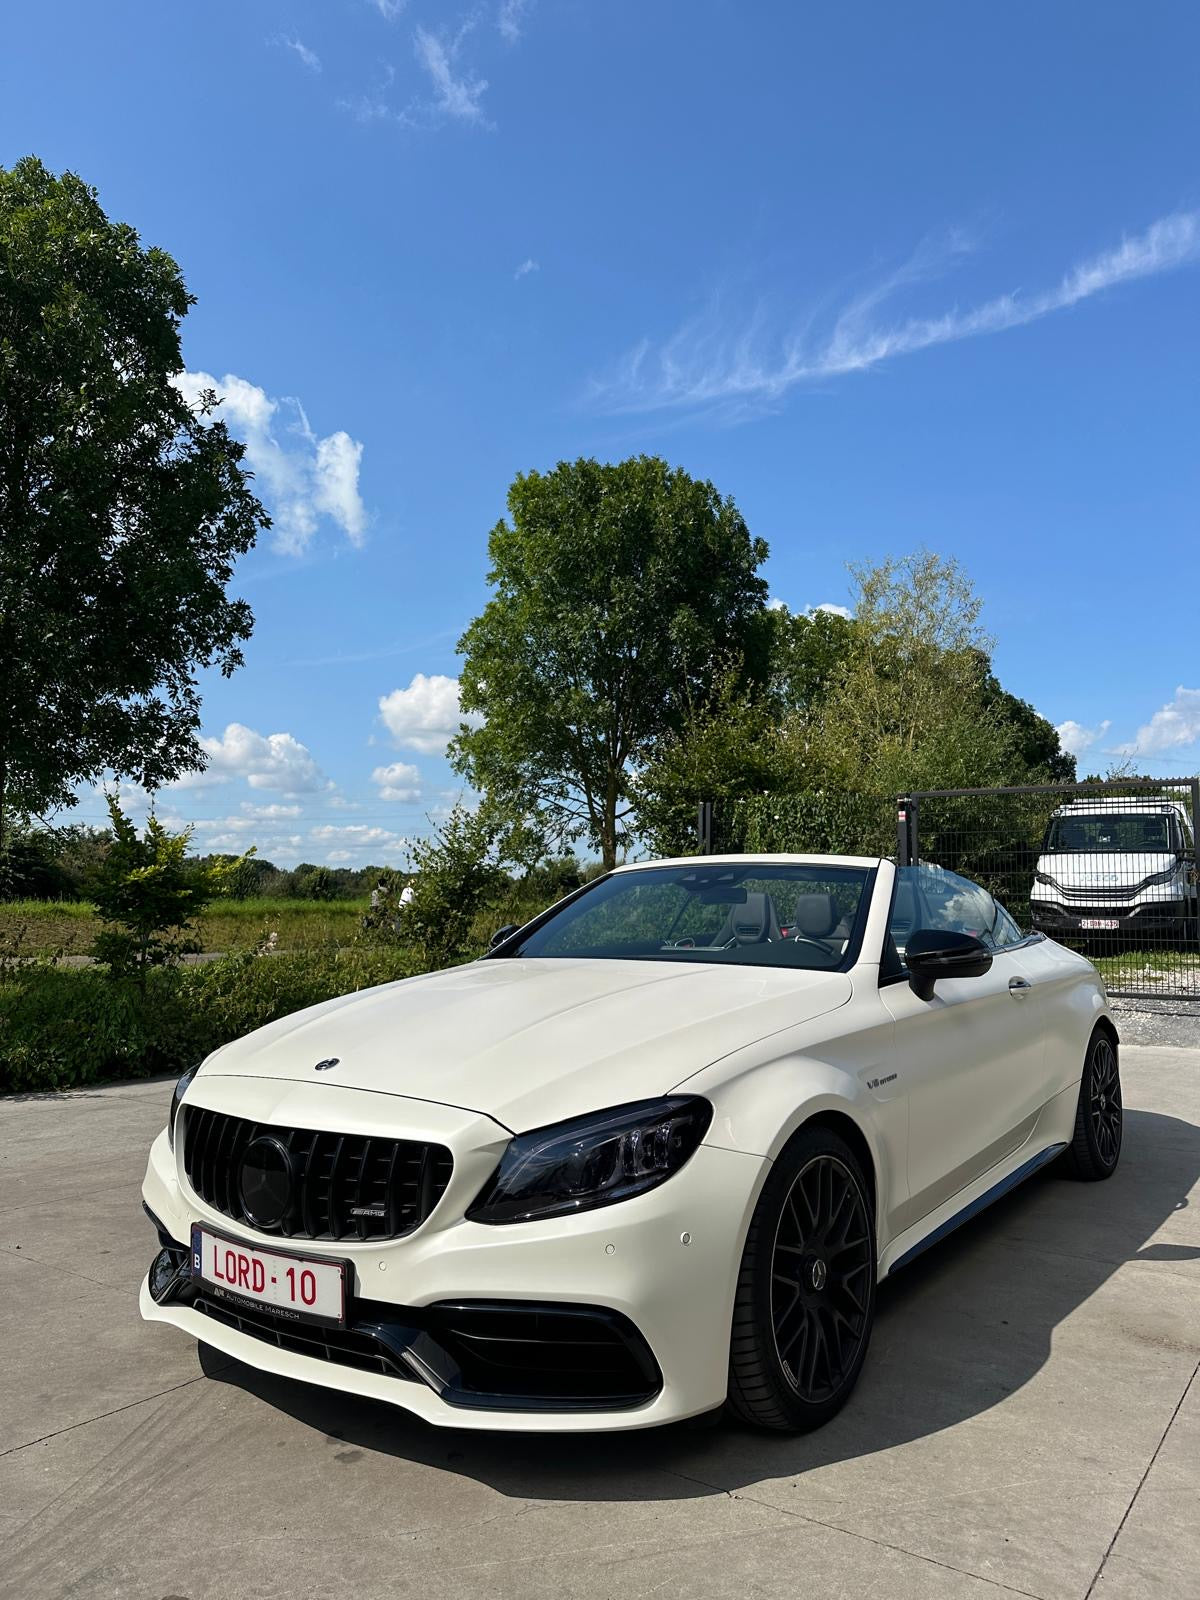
(1099, 922)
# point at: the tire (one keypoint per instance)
(1095, 1147)
(805, 1300)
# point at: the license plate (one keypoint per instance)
(296, 1288)
(1099, 922)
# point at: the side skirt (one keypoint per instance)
(980, 1203)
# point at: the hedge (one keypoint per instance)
(61, 1027)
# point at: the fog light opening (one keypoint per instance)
(167, 1270)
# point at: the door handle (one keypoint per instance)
(1019, 987)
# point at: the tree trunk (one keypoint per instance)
(608, 824)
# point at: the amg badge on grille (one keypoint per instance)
(329, 1061)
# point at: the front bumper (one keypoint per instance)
(1171, 916)
(617, 1318)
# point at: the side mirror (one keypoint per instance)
(932, 954)
(501, 934)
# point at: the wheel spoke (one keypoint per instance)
(820, 1278)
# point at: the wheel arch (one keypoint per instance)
(851, 1133)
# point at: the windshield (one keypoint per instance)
(744, 914)
(1111, 834)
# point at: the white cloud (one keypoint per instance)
(775, 604)
(310, 58)
(266, 761)
(426, 715)
(456, 96)
(527, 266)
(1075, 738)
(1174, 725)
(400, 781)
(269, 813)
(301, 477)
(706, 363)
(509, 17)
(389, 10)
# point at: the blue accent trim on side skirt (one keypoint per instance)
(980, 1204)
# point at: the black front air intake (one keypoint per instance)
(338, 1185)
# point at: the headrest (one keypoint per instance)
(816, 915)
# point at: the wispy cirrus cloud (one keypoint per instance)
(456, 94)
(308, 57)
(527, 266)
(706, 363)
(510, 17)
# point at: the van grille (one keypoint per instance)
(345, 1185)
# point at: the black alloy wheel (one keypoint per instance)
(806, 1292)
(1095, 1147)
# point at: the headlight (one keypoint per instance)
(177, 1095)
(592, 1161)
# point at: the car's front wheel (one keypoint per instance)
(1095, 1147)
(806, 1290)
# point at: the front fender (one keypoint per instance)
(760, 1108)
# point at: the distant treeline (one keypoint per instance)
(62, 863)
(39, 863)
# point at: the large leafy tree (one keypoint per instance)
(621, 592)
(122, 510)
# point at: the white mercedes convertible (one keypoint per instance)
(648, 1157)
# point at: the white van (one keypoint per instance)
(1125, 867)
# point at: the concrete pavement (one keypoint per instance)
(1028, 1421)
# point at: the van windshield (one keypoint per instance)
(1111, 834)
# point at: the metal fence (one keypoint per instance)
(1109, 868)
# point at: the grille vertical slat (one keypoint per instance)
(337, 1175)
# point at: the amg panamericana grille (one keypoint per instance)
(346, 1185)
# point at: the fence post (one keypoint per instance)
(704, 827)
(907, 847)
(1196, 854)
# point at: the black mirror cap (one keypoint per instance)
(933, 953)
(501, 934)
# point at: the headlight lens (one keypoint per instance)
(177, 1095)
(593, 1161)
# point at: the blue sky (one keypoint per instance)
(890, 276)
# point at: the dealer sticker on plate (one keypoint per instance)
(299, 1288)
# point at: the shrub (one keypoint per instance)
(147, 891)
(63, 1027)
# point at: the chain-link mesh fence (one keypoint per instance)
(1109, 869)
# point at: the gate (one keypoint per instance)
(1109, 868)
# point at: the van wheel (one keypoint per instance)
(1095, 1146)
(805, 1299)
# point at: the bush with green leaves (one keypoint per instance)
(147, 892)
(62, 1027)
(456, 875)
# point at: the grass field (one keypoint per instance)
(43, 927)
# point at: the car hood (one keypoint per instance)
(530, 1042)
(1085, 869)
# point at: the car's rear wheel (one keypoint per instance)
(806, 1290)
(1095, 1146)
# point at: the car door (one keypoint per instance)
(971, 1056)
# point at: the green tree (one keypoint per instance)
(911, 706)
(147, 893)
(456, 874)
(619, 591)
(122, 510)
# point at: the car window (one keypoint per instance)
(738, 914)
(928, 896)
